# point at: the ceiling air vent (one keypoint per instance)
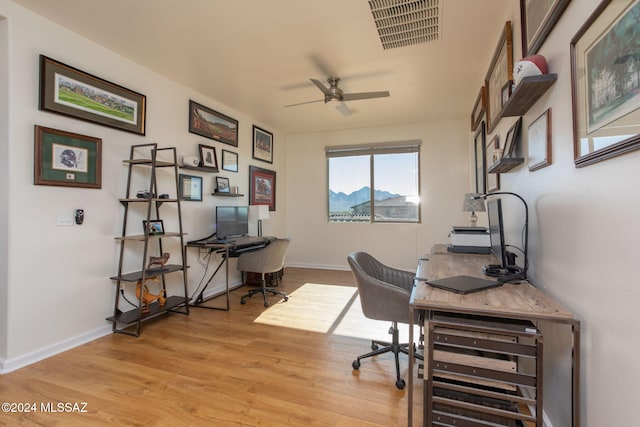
(406, 22)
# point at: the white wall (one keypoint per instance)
(583, 249)
(58, 291)
(4, 178)
(318, 243)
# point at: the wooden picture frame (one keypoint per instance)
(537, 19)
(190, 188)
(500, 73)
(480, 165)
(512, 139)
(262, 145)
(478, 110)
(606, 110)
(154, 227)
(211, 124)
(66, 159)
(74, 93)
(492, 179)
(229, 161)
(262, 187)
(539, 141)
(222, 185)
(208, 156)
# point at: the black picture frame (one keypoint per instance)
(211, 124)
(71, 92)
(229, 161)
(222, 185)
(512, 139)
(66, 159)
(537, 19)
(478, 109)
(500, 73)
(208, 157)
(155, 227)
(262, 144)
(480, 164)
(262, 187)
(190, 188)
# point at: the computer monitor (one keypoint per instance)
(496, 231)
(232, 221)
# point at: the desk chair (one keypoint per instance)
(384, 295)
(267, 260)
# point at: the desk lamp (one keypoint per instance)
(258, 213)
(525, 229)
(473, 202)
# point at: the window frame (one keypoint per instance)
(398, 147)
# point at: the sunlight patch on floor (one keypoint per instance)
(327, 309)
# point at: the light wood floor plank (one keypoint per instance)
(219, 368)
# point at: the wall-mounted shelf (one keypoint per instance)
(227, 194)
(200, 168)
(527, 93)
(505, 164)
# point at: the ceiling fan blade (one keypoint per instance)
(302, 103)
(320, 86)
(341, 106)
(364, 95)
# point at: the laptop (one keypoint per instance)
(463, 284)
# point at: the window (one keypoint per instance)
(387, 174)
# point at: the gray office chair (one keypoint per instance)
(267, 260)
(384, 295)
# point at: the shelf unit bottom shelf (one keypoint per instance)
(131, 317)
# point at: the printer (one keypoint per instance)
(469, 240)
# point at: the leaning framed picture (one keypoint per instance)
(492, 180)
(537, 19)
(154, 227)
(481, 167)
(478, 110)
(190, 188)
(208, 157)
(539, 141)
(262, 145)
(262, 187)
(500, 73)
(511, 139)
(209, 123)
(222, 185)
(605, 86)
(67, 159)
(71, 92)
(229, 161)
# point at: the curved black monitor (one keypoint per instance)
(496, 231)
(232, 221)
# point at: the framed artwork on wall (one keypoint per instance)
(481, 168)
(605, 86)
(222, 185)
(208, 157)
(512, 139)
(537, 19)
(500, 73)
(539, 141)
(262, 145)
(229, 161)
(478, 110)
(190, 188)
(71, 92)
(67, 159)
(262, 187)
(209, 123)
(492, 179)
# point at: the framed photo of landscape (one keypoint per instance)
(67, 159)
(209, 123)
(605, 86)
(71, 92)
(262, 187)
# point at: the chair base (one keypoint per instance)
(263, 290)
(395, 347)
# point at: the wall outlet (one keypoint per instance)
(64, 218)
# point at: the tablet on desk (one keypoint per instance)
(463, 284)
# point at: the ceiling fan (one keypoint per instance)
(333, 95)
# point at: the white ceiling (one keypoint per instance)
(256, 56)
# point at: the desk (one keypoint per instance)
(509, 301)
(228, 249)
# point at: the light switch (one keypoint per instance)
(64, 218)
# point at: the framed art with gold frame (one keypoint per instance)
(500, 73)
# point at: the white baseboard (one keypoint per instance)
(9, 365)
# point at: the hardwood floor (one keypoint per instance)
(217, 368)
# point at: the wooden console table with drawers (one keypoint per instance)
(511, 311)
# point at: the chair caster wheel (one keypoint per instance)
(286, 298)
(242, 301)
(355, 365)
(400, 384)
(374, 347)
(266, 304)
